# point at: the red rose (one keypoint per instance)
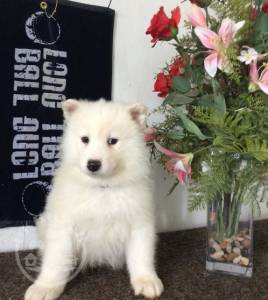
(253, 13)
(163, 81)
(163, 28)
(175, 18)
(197, 2)
(202, 3)
(265, 7)
(176, 68)
(162, 84)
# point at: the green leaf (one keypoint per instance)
(188, 70)
(206, 100)
(216, 102)
(181, 84)
(177, 99)
(189, 124)
(261, 25)
(192, 93)
(261, 30)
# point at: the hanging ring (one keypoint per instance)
(43, 5)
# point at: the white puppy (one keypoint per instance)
(100, 209)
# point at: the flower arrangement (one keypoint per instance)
(215, 102)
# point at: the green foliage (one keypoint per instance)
(181, 84)
(236, 74)
(211, 183)
(261, 33)
(257, 148)
(227, 174)
(220, 120)
(175, 99)
(234, 9)
(189, 124)
(228, 181)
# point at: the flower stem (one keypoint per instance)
(208, 16)
(202, 149)
(177, 40)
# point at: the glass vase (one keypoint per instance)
(230, 236)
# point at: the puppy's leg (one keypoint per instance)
(56, 266)
(140, 262)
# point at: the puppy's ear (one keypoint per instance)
(138, 113)
(69, 106)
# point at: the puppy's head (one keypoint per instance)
(105, 139)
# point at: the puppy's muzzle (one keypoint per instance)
(94, 165)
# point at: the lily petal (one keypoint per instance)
(182, 176)
(180, 166)
(263, 86)
(264, 75)
(207, 37)
(226, 31)
(211, 64)
(263, 82)
(241, 58)
(167, 152)
(198, 17)
(253, 72)
(229, 29)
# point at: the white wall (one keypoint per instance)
(135, 65)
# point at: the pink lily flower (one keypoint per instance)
(179, 164)
(218, 43)
(198, 17)
(256, 80)
(149, 134)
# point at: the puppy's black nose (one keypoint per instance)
(94, 165)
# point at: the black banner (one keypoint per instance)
(44, 60)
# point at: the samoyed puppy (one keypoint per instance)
(100, 209)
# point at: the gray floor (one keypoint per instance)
(181, 266)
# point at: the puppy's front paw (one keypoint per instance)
(149, 287)
(37, 292)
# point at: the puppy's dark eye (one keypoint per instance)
(85, 139)
(112, 141)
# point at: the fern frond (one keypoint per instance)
(257, 148)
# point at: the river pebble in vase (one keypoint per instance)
(230, 238)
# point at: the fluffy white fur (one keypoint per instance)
(101, 218)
